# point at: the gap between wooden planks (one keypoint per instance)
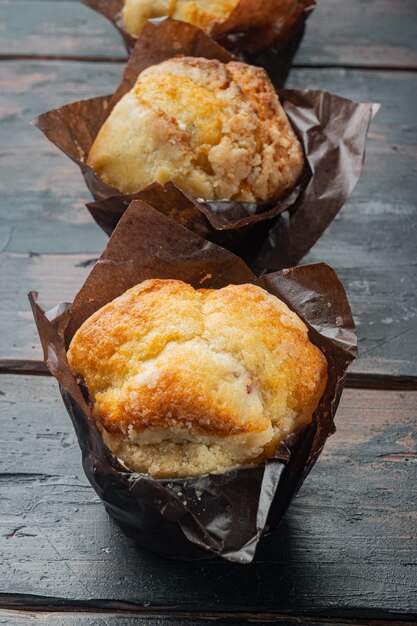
(68, 30)
(354, 380)
(19, 608)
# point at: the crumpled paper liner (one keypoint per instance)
(221, 514)
(331, 129)
(250, 28)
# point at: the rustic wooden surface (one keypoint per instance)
(371, 244)
(347, 545)
(362, 33)
(347, 550)
(125, 618)
(117, 617)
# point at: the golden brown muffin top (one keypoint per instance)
(215, 363)
(201, 13)
(216, 130)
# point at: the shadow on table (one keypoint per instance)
(214, 583)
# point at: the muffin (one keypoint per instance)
(216, 130)
(185, 381)
(201, 13)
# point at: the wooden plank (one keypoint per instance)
(56, 277)
(51, 190)
(354, 380)
(42, 195)
(347, 546)
(8, 618)
(372, 241)
(78, 619)
(63, 28)
(384, 307)
(106, 619)
(371, 244)
(23, 618)
(385, 313)
(359, 32)
(364, 33)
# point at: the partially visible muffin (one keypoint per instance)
(201, 13)
(216, 130)
(184, 382)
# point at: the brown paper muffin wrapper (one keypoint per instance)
(221, 514)
(249, 29)
(332, 131)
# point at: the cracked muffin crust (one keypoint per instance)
(184, 382)
(201, 13)
(216, 130)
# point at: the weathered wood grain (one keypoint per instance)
(32, 367)
(9, 618)
(371, 243)
(363, 33)
(348, 544)
(142, 618)
(347, 551)
(56, 277)
(25, 619)
(42, 198)
(63, 28)
(384, 304)
(354, 380)
(49, 189)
